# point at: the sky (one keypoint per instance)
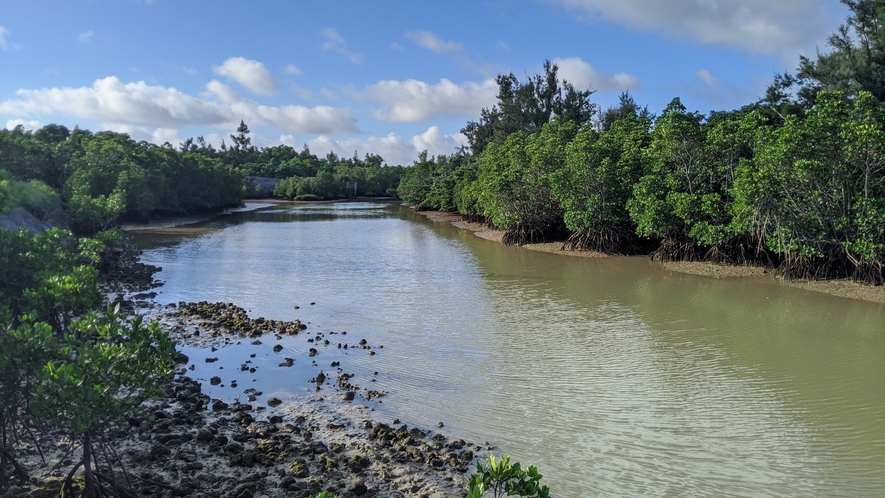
(392, 77)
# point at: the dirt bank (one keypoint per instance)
(841, 288)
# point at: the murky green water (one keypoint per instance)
(614, 376)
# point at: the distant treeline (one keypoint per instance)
(796, 179)
(104, 178)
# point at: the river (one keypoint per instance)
(614, 376)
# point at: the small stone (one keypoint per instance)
(441, 424)
(274, 402)
(215, 380)
(348, 396)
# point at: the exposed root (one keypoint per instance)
(674, 250)
(530, 234)
(833, 265)
(739, 251)
(608, 239)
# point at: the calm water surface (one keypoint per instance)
(614, 376)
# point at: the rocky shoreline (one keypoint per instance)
(187, 444)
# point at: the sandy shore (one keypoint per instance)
(841, 288)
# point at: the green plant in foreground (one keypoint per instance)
(505, 479)
(324, 494)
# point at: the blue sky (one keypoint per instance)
(391, 78)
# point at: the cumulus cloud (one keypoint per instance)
(292, 118)
(139, 133)
(583, 75)
(249, 73)
(292, 69)
(139, 104)
(436, 143)
(28, 125)
(432, 42)
(783, 27)
(85, 37)
(413, 101)
(393, 148)
(4, 43)
(335, 43)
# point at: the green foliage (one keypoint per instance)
(108, 366)
(515, 181)
(35, 196)
(49, 276)
(596, 182)
(814, 191)
(502, 478)
(527, 107)
(325, 178)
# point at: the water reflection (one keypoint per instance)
(615, 376)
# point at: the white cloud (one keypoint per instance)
(292, 118)
(249, 73)
(292, 69)
(85, 37)
(335, 43)
(435, 143)
(780, 27)
(705, 76)
(157, 136)
(416, 101)
(502, 46)
(432, 42)
(582, 75)
(392, 147)
(190, 70)
(28, 125)
(139, 104)
(4, 43)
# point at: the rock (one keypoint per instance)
(358, 488)
(182, 358)
(321, 377)
(204, 436)
(159, 451)
(277, 348)
(274, 402)
(299, 468)
(215, 380)
(218, 405)
(441, 424)
(348, 396)
(211, 360)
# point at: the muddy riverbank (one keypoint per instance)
(841, 288)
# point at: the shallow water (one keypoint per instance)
(614, 376)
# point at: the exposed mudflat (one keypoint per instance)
(841, 288)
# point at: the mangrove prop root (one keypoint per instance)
(19, 470)
(674, 250)
(608, 239)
